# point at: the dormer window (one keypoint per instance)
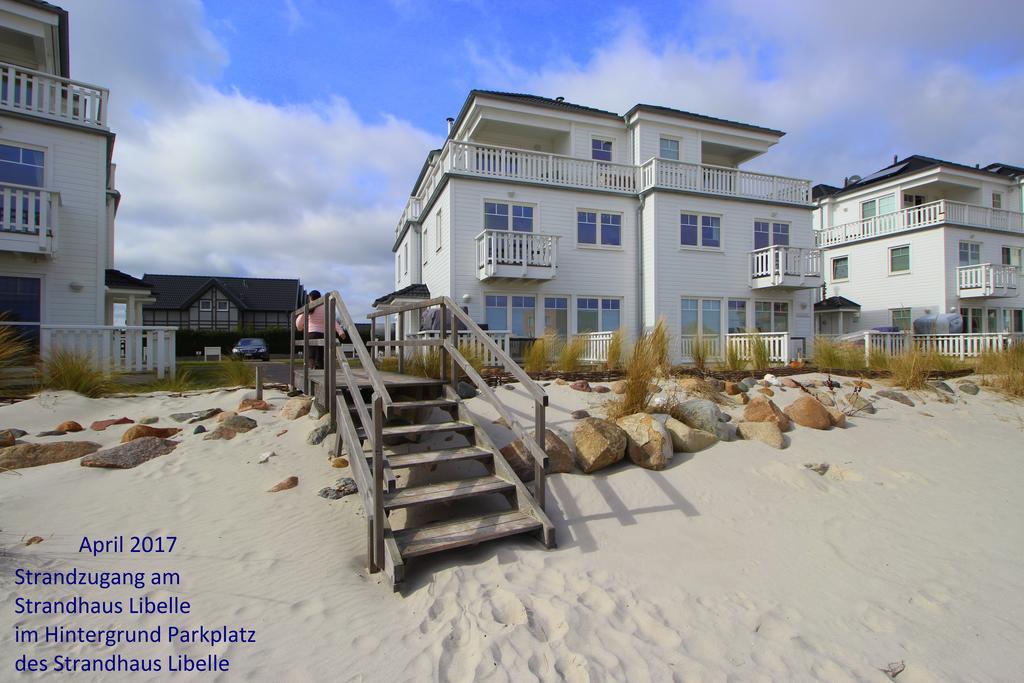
(600, 149)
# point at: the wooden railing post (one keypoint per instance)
(291, 353)
(377, 557)
(540, 429)
(401, 338)
(443, 330)
(330, 360)
(259, 382)
(305, 348)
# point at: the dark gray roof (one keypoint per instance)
(912, 164)
(1005, 169)
(554, 103)
(121, 280)
(836, 303)
(410, 292)
(700, 117)
(248, 293)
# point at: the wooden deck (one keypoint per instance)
(391, 379)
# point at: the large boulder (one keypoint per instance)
(296, 407)
(36, 454)
(807, 412)
(686, 439)
(702, 414)
(253, 404)
(761, 409)
(131, 454)
(765, 432)
(72, 426)
(143, 431)
(560, 458)
(240, 423)
(599, 443)
(648, 444)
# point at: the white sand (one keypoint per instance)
(735, 563)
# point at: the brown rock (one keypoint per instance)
(600, 389)
(130, 454)
(619, 387)
(733, 389)
(142, 431)
(36, 454)
(253, 404)
(791, 383)
(765, 432)
(807, 412)
(339, 462)
(34, 540)
(221, 433)
(762, 409)
(282, 432)
(648, 444)
(824, 398)
(580, 385)
(225, 415)
(838, 417)
(521, 460)
(296, 407)
(7, 438)
(100, 425)
(742, 398)
(579, 414)
(289, 483)
(686, 439)
(69, 426)
(765, 391)
(599, 443)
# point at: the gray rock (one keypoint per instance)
(716, 384)
(239, 423)
(316, 411)
(131, 454)
(345, 486)
(36, 454)
(687, 439)
(766, 432)
(149, 420)
(748, 383)
(16, 433)
(199, 429)
(701, 413)
(817, 467)
(726, 417)
(465, 390)
(579, 414)
(897, 396)
(182, 417)
(860, 404)
(939, 385)
(200, 415)
(319, 433)
(52, 432)
(510, 387)
(969, 388)
(293, 393)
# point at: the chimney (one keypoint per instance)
(895, 158)
(846, 181)
(450, 121)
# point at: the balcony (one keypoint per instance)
(986, 280)
(28, 219)
(518, 255)
(505, 163)
(51, 97)
(923, 216)
(785, 268)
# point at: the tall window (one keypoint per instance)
(771, 316)
(597, 315)
(496, 312)
(688, 235)
(737, 316)
(405, 258)
(21, 302)
(970, 253)
(556, 316)
(973, 320)
(767, 234)
(901, 318)
(710, 231)
(899, 259)
(701, 317)
(600, 150)
(690, 317)
(668, 149)
(438, 227)
(878, 207)
(609, 315)
(21, 166)
(524, 316)
(997, 200)
(587, 223)
(1012, 256)
(911, 200)
(840, 267)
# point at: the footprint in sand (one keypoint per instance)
(840, 473)
(506, 608)
(597, 600)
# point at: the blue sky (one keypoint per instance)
(252, 134)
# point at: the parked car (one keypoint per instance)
(251, 347)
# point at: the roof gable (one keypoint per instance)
(249, 294)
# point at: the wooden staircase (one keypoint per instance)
(429, 476)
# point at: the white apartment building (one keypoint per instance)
(542, 216)
(923, 237)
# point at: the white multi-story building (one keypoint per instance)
(542, 216)
(922, 237)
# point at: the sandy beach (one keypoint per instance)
(734, 563)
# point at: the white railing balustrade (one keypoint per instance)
(518, 250)
(925, 215)
(986, 279)
(966, 345)
(466, 339)
(596, 345)
(712, 344)
(722, 180)
(29, 211)
(776, 343)
(52, 97)
(114, 349)
(778, 262)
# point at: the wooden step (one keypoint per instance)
(446, 491)
(441, 536)
(432, 428)
(402, 460)
(411, 405)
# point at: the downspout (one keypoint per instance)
(640, 267)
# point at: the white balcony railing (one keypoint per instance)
(776, 343)
(923, 216)
(52, 97)
(595, 346)
(507, 163)
(28, 218)
(967, 345)
(712, 343)
(986, 279)
(722, 180)
(500, 253)
(785, 266)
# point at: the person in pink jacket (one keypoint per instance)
(316, 330)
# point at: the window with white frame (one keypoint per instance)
(973, 319)
(205, 305)
(901, 318)
(911, 200)
(771, 316)
(600, 149)
(424, 251)
(878, 206)
(699, 230)
(1012, 256)
(595, 314)
(899, 259)
(594, 227)
(841, 268)
(700, 317)
(997, 200)
(405, 258)
(438, 228)
(496, 312)
(21, 166)
(970, 253)
(497, 216)
(737, 321)
(222, 305)
(524, 316)
(1016, 320)
(556, 316)
(770, 233)
(668, 148)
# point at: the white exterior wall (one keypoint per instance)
(75, 166)
(437, 268)
(648, 145)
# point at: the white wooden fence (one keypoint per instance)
(115, 349)
(596, 345)
(776, 343)
(476, 348)
(962, 346)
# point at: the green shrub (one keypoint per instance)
(760, 359)
(643, 366)
(733, 359)
(1004, 370)
(615, 350)
(70, 371)
(700, 350)
(570, 354)
(14, 351)
(237, 373)
(535, 359)
(387, 363)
